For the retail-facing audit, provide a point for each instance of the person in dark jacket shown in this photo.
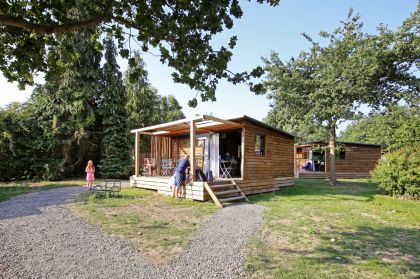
(182, 167)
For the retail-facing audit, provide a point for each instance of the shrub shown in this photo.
(398, 173)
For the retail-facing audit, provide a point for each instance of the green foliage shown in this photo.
(170, 109)
(399, 172)
(15, 142)
(395, 127)
(328, 83)
(115, 161)
(143, 102)
(64, 109)
(182, 31)
(303, 131)
(80, 113)
(145, 107)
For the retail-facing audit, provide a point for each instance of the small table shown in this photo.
(113, 187)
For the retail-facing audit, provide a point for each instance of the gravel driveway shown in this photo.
(39, 238)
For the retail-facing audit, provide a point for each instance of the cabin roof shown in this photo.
(203, 124)
(340, 142)
(261, 124)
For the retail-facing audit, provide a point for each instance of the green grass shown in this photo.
(351, 230)
(12, 189)
(159, 226)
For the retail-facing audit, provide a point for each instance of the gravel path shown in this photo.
(39, 238)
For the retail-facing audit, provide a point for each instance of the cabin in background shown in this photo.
(246, 156)
(353, 160)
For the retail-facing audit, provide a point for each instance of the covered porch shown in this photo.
(213, 144)
(310, 159)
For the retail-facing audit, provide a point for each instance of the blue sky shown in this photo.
(261, 29)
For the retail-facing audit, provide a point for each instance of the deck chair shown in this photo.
(149, 164)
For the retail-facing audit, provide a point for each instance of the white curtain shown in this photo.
(311, 158)
(214, 154)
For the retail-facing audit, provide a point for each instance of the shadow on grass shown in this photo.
(320, 190)
(392, 247)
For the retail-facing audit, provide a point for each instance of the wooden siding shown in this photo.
(325, 175)
(278, 158)
(358, 159)
(253, 186)
(268, 172)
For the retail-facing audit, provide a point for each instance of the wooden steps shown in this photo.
(228, 192)
(224, 191)
(231, 199)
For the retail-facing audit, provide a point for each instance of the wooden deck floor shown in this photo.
(160, 184)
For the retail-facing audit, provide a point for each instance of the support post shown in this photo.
(137, 156)
(243, 153)
(192, 151)
(295, 167)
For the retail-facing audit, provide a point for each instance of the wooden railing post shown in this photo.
(137, 156)
(243, 139)
(295, 166)
(192, 150)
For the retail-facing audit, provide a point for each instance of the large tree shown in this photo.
(114, 156)
(65, 107)
(328, 83)
(15, 142)
(171, 110)
(143, 102)
(182, 31)
(145, 107)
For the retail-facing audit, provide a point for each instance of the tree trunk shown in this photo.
(331, 147)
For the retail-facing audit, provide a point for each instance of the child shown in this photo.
(90, 177)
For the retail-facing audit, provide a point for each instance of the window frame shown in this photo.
(262, 147)
(341, 155)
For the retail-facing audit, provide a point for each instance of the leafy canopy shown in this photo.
(181, 31)
(395, 127)
(66, 107)
(327, 84)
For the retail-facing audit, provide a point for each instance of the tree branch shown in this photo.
(53, 29)
(130, 24)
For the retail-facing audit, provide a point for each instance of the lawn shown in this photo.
(351, 230)
(12, 189)
(158, 226)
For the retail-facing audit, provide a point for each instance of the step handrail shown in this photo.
(212, 195)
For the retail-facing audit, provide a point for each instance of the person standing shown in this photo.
(90, 176)
(181, 168)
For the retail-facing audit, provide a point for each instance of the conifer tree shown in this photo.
(65, 108)
(115, 151)
(142, 99)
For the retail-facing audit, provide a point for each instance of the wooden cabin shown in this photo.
(353, 160)
(245, 156)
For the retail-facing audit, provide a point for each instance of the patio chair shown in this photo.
(149, 164)
(167, 167)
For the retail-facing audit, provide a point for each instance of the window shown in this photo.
(341, 155)
(260, 144)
